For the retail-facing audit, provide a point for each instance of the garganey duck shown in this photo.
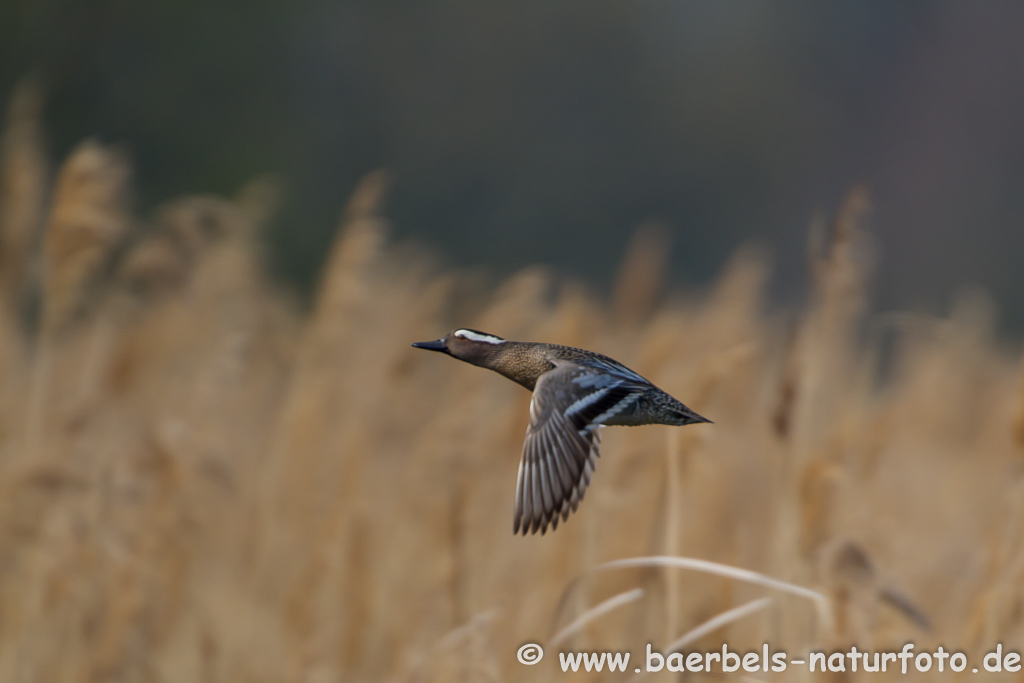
(575, 393)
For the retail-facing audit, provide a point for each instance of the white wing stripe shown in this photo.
(589, 399)
(519, 490)
(614, 410)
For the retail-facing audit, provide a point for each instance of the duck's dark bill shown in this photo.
(438, 345)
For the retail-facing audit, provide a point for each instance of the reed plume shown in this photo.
(88, 219)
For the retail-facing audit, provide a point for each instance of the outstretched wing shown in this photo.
(570, 404)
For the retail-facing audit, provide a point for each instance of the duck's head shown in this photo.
(472, 346)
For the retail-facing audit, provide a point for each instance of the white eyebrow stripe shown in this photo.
(477, 337)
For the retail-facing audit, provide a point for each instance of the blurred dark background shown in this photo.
(531, 131)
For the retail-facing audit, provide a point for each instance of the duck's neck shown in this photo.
(521, 362)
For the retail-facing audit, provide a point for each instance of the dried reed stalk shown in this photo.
(23, 186)
(89, 217)
(710, 626)
(1018, 423)
(640, 279)
(820, 601)
(673, 530)
(594, 613)
(343, 290)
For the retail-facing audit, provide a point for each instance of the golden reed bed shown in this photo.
(201, 482)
